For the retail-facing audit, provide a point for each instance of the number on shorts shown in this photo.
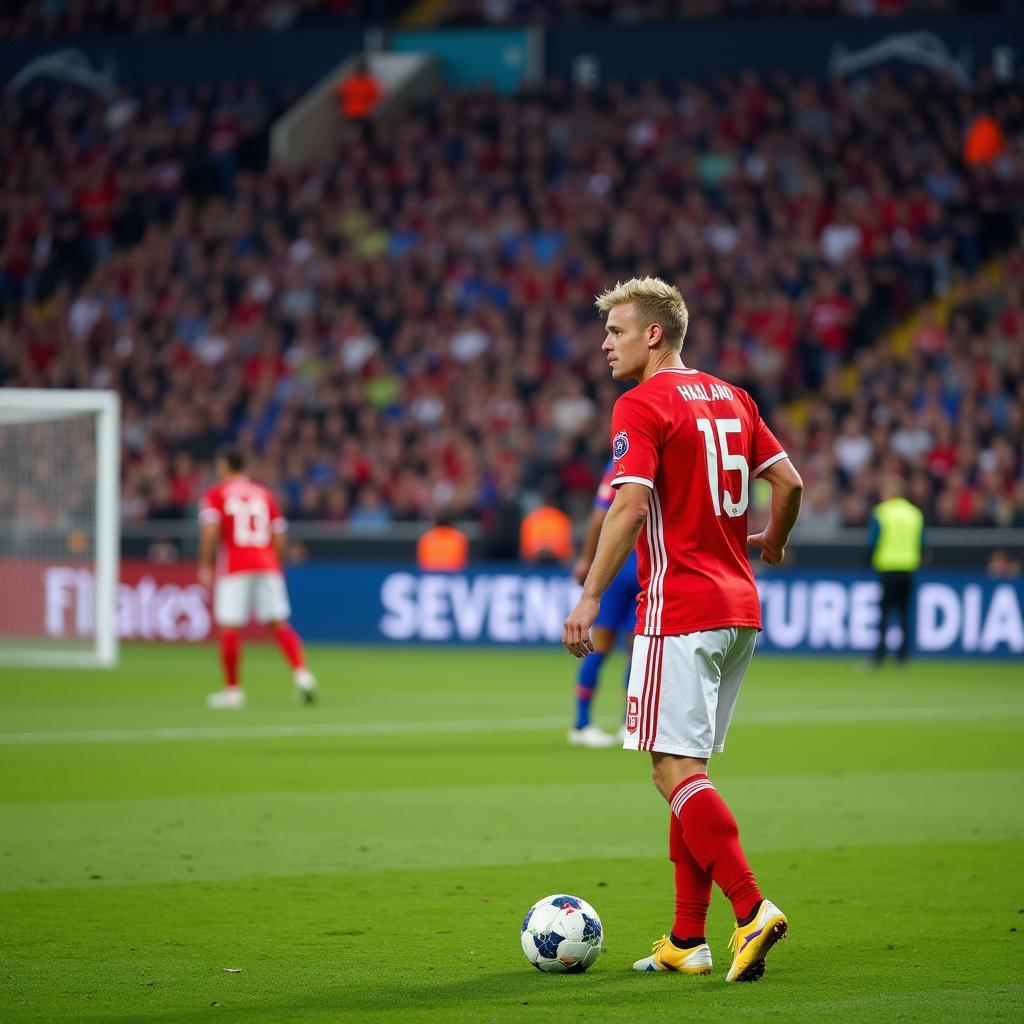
(251, 519)
(719, 454)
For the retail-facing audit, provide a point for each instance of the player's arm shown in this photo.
(209, 533)
(618, 535)
(787, 490)
(279, 542)
(278, 528)
(586, 559)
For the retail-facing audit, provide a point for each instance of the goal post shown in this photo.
(60, 454)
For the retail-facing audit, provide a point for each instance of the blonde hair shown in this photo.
(655, 302)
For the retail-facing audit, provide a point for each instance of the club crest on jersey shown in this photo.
(620, 444)
(633, 715)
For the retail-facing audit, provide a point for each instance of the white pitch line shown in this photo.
(838, 716)
(259, 732)
(795, 716)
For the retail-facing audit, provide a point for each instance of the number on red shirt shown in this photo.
(251, 519)
(719, 454)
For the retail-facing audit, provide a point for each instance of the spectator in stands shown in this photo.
(984, 141)
(358, 94)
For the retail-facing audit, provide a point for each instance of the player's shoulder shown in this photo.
(213, 493)
(243, 485)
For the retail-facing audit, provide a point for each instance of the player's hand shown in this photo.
(771, 552)
(576, 631)
(580, 570)
(206, 577)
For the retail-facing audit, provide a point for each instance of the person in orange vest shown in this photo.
(443, 548)
(545, 535)
(983, 142)
(358, 94)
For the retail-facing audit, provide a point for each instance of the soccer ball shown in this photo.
(562, 935)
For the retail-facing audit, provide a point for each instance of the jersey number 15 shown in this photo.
(719, 455)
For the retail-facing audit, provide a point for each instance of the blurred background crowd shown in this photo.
(41, 18)
(407, 331)
(505, 12)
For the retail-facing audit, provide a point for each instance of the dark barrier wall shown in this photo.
(296, 58)
(819, 613)
(595, 54)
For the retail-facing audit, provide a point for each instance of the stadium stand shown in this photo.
(408, 331)
(634, 12)
(52, 18)
(49, 18)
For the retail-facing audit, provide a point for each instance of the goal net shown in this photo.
(59, 531)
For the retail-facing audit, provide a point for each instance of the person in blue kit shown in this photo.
(617, 615)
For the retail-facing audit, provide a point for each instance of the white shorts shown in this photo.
(261, 595)
(683, 689)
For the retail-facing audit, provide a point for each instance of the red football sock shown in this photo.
(230, 653)
(289, 642)
(693, 887)
(711, 833)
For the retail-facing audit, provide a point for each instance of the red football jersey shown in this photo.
(696, 442)
(249, 517)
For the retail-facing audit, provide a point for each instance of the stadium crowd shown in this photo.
(46, 18)
(408, 330)
(634, 12)
(43, 18)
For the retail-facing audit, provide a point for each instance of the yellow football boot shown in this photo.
(750, 942)
(668, 957)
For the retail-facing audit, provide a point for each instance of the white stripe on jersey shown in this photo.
(620, 480)
(664, 560)
(659, 565)
(769, 462)
(652, 552)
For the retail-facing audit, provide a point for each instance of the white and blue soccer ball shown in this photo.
(562, 934)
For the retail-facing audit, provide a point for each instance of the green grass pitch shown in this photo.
(371, 858)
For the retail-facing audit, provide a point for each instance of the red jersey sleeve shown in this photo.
(211, 506)
(766, 450)
(635, 448)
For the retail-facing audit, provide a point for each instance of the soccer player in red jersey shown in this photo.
(686, 446)
(240, 520)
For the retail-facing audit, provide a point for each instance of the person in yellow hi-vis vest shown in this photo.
(896, 537)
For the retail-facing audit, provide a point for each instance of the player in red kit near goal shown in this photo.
(243, 529)
(686, 447)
